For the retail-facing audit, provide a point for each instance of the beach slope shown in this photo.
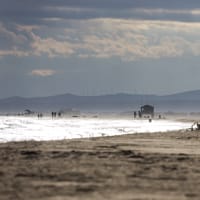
(140, 166)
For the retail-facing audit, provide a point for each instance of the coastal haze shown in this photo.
(181, 102)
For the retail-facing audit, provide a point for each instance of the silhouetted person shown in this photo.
(135, 114)
(53, 114)
(40, 115)
(139, 114)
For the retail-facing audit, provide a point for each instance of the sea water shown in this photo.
(16, 128)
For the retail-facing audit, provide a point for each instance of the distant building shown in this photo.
(69, 111)
(147, 111)
(28, 112)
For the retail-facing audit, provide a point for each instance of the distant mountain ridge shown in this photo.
(186, 101)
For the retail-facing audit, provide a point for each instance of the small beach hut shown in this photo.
(147, 111)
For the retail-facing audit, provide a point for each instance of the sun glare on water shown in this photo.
(30, 128)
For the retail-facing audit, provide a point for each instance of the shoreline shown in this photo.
(138, 166)
(47, 129)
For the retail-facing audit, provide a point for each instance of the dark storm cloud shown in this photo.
(31, 11)
(126, 4)
(111, 4)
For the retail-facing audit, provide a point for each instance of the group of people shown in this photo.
(139, 114)
(53, 115)
(40, 115)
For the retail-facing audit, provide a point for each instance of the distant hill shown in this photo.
(181, 102)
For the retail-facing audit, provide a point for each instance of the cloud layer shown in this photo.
(120, 45)
(43, 72)
(130, 30)
(29, 12)
(104, 38)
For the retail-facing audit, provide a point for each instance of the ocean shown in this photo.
(17, 128)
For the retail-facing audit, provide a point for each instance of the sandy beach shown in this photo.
(140, 166)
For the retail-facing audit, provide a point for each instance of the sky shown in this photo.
(94, 47)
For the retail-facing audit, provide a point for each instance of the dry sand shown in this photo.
(158, 166)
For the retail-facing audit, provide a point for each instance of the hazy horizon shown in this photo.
(103, 94)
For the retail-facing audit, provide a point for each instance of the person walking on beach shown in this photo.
(53, 114)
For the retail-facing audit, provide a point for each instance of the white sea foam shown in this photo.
(30, 128)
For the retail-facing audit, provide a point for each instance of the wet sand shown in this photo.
(158, 166)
